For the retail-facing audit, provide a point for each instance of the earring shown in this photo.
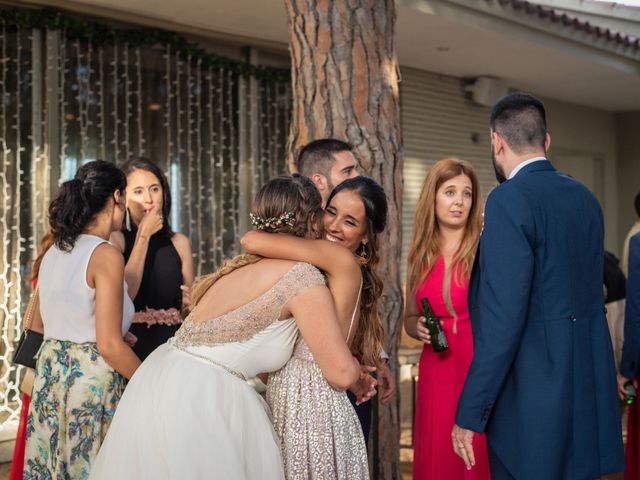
(127, 219)
(362, 255)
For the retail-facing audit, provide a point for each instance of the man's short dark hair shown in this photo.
(521, 121)
(636, 203)
(317, 156)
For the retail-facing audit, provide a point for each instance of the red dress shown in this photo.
(17, 463)
(441, 377)
(632, 469)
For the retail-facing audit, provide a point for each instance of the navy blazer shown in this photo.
(630, 363)
(542, 381)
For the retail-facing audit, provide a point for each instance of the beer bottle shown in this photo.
(630, 394)
(438, 337)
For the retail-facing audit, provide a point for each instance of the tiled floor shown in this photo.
(406, 454)
(4, 471)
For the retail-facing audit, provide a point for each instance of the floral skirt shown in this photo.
(75, 395)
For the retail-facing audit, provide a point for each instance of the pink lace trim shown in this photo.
(150, 316)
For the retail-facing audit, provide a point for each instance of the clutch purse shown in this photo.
(30, 341)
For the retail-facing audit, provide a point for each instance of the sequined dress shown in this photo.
(320, 434)
(188, 411)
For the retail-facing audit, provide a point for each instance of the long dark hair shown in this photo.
(79, 200)
(369, 336)
(142, 163)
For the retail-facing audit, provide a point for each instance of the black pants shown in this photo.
(364, 414)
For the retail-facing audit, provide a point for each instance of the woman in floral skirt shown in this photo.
(83, 313)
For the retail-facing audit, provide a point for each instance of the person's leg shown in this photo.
(364, 415)
(498, 470)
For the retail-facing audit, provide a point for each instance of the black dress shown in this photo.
(159, 290)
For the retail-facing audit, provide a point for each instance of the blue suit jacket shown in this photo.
(630, 364)
(542, 380)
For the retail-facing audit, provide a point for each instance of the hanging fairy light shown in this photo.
(196, 128)
(140, 98)
(167, 110)
(94, 105)
(212, 144)
(127, 103)
(233, 163)
(220, 165)
(102, 106)
(115, 100)
(62, 99)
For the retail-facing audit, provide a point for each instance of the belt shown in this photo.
(151, 316)
(235, 373)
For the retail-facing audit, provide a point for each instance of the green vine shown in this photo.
(103, 35)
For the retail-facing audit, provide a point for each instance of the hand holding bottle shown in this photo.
(423, 331)
(434, 325)
(627, 389)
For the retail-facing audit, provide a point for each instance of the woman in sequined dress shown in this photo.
(159, 264)
(321, 437)
(445, 238)
(188, 412)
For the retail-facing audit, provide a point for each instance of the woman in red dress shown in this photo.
(447, 229)
(632, 456)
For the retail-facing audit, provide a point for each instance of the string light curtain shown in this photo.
(216, 126)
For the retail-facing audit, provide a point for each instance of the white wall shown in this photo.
(438, 121)
(586, 133)
(628, 130)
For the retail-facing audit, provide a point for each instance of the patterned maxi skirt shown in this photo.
(74, 398)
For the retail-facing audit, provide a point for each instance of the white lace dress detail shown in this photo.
(242, 323)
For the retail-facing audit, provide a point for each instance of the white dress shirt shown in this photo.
(524, 164)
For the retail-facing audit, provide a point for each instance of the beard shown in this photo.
(496, 168)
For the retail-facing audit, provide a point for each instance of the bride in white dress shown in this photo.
(188, 411)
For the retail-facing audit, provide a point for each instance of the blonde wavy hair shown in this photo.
(425, 245)
(285, 194)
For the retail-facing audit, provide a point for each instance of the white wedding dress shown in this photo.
(188, 412)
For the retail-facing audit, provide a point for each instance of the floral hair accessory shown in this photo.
(285, 219)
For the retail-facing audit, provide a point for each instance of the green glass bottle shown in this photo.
(438, 337)
(630, 394)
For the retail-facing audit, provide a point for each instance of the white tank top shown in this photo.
(67, 302)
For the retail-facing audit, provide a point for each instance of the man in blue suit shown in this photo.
(630, 364)
(542, 383)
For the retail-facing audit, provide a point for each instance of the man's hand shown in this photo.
(386, 382)
(621, 382)
(463, 445)
(186, 295)
(365, 388)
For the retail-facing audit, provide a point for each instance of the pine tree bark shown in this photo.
(345, 86)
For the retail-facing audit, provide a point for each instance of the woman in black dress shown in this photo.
(159, 264)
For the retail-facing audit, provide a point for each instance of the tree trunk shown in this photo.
(345, 86)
